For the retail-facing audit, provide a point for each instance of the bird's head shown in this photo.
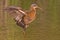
(35, 6)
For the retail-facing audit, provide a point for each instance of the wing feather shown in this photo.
(16, 12)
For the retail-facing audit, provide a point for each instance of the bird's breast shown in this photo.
(30, 17)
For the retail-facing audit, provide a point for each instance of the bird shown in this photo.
(23, 17)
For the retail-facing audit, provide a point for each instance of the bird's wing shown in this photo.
(15, 11)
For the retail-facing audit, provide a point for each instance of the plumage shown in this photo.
(23, 18)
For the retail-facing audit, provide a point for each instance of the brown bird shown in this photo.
(23, 18)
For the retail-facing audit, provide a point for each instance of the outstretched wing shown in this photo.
(13, 10)
(16, 12)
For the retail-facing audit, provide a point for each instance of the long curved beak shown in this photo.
(40, 8)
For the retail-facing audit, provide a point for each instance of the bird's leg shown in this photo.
(26, 26)
(24, 31)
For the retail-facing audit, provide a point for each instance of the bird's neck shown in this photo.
(33, 10)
